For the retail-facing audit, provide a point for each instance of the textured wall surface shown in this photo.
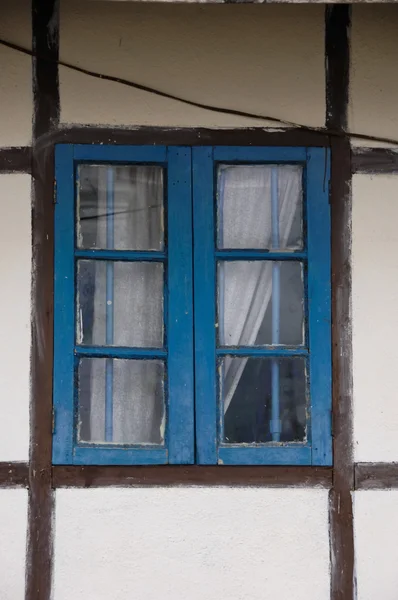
(374, 85)
(15, 266)
(376, 533)
(230, 544)
(375, 316)
(263, 59)
(16, 75)
(13, 521)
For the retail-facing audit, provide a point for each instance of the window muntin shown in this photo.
(260, 305)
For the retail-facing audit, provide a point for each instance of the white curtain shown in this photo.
(244, 292)
(138, 411)
(244, 217)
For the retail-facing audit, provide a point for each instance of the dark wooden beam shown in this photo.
(254, 136)
(337, 60)
(341, 515)
(376, 476)
(46, 111)
(337, 54)
(16, 160)
(15, 474)
(92, 476)
(374, 160)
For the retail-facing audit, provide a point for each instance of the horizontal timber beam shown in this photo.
(125, 476)
(16, 160)
(15, 474)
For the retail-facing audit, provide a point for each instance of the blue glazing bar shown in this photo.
(129, 255)
(260, 154)
(221, 291)
(120, 153)
(110, 242)
(281, 454)
(127, 455)
(120, 352)
(221, 273)
(265, 352)
(259, 255)
(275, 423)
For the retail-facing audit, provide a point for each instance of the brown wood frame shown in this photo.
(337, 52)
(374, 160)
(16, 159)
(376, 476)
(129, 476)
(14, 474)
(183, 136)
(46, 114)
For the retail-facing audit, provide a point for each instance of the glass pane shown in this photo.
(261, 396)
(121, 401)
(119, 303)
(260, 303)
(120, 207)
(260, 206)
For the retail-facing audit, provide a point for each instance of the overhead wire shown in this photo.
(278, 122)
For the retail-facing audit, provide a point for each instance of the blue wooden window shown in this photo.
(192, 306)
(271, 364)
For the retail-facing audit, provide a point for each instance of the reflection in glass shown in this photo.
(247, 399)
(246, 195)
(136, 406)
(245, 303)
(130, 196)
(137, 292)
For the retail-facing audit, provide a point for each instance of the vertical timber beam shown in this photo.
(337, 53)
(45, 118)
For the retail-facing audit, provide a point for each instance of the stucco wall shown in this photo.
(13, 522)
(15, 266)
(263, 59)
(16, 75)
(230, 544)
(375, 318)
(373, 81)
(376, 533)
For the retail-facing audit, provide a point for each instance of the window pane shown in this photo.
(121, 401)
(120, 303)
(120, 207)
(250, 403)
(260, 206)
(260, 303)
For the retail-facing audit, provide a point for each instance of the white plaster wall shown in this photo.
(196, 543)
(376, 534)
(15, 266)
(13, 527)
(16, 74)
(375, 316)
(260, 58)
(373, 77)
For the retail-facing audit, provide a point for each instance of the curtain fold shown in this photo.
(246, 292)
(244, 295)
(138, 410)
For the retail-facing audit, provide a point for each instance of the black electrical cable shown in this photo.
(217, 109)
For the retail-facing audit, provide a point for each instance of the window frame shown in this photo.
(318, 449)
(178, 446)
(192, 393)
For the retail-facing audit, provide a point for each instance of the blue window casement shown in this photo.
(192, 306)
